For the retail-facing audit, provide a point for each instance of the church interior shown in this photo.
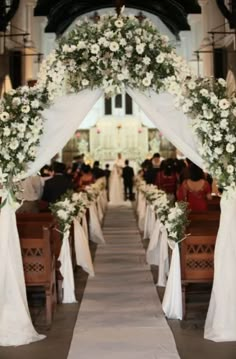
(114, 316)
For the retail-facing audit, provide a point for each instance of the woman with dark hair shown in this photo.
(166, 178)
(86, 177)
(195, 190)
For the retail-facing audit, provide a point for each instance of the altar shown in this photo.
(125, 135)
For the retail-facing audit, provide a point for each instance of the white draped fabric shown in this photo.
(172, 301)
(66, 270)
(95, 231)
(221, 318)
(85, 226)
(82, 252)
(141, 211)
(153, 250)
(61, 121)
(149, 222)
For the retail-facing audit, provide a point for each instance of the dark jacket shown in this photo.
(128, 174)
(55, 187)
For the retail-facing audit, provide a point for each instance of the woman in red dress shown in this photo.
(166, 178)
(195, 190)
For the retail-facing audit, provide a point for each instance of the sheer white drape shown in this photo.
(61, 121)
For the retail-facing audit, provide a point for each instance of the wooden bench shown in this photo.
(197, 251)
(32, 224)
(39, 266)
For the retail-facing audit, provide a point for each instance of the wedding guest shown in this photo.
(86, 177)
(56, 186)
(107, 172)
(31, 192)
(128, 177)
(195, 190)
(97, 171)
(166, 178)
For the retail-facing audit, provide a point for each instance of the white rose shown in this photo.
(204, 92)
(191, 85)
(208, 114)
(84, 67)
(218, 150)
(6, 131)
(140, 48)
(234, 111)
(160, 59)
(85, 82)
(62, 214)
(123, 42)
(35, 104)
(230, 148)
(16, 101)
(13, 145)
(222, 82)
(4, 116)
(65, 48)
(81, 45)
(146, 60)
(95, 49)
(230, 169)
(224, 104)
(224, 124)
(114, 46)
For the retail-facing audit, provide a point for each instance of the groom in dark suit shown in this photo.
(128, 176)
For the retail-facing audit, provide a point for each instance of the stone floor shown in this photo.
(188, 333)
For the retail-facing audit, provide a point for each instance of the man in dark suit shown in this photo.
(56, 186)
(97, 171)
(128, 176)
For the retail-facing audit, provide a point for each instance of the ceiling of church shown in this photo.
(61, 13)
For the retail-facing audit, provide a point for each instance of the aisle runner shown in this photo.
(120, 316)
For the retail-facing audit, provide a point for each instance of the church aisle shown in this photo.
(121, 315)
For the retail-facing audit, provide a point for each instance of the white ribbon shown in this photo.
(82, 252)
(149, 222)
(99, 209)
(164, 258)
(85, 226)
(141, 212)
(172, 301)
(153, 251)
(95, 231)
(66, 270)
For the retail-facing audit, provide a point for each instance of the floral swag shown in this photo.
(113, 53)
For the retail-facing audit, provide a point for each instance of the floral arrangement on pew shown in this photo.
(70, 206)
(176, 221)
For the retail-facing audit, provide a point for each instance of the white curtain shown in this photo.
(174, 125)
(61, 121)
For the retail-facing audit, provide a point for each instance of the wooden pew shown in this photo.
(32, 224)
(39, 266)
(197, 251)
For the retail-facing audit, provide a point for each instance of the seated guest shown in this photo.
(195, 190)
(166, 178)
(86, 177)
(32, 189)
(97, 171)
(56, 186)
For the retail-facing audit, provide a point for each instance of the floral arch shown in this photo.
(113, 54)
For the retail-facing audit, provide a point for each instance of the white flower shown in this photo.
(4, 116)
(146, 81)
(160, 59)
(6, 131)
(140, 48)
(224, 124)
(217, 137)
(119, 23)
(204, 92)
(234, 111)
(114, 46)
(25, 109)
(95, 49)
(65, 48)
(35, 104)
(224, 113)
(14, 144)
(20, 157)
(230, 148)
(62, 214)
(146, 60)
(123, 42)
(222, 82)
(84, 67)
(230, 169)
(81, 45)
(16, 101)
(191, 85)
(224, 104)
(208, 114)
(218, 150)
(85, 82)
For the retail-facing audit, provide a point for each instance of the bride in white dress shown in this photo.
(116, 186)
